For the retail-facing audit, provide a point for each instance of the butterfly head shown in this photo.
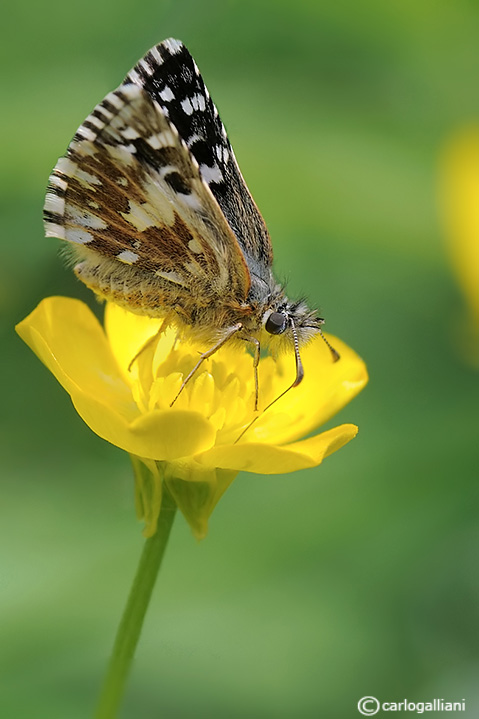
(294, 324)
(290, 321)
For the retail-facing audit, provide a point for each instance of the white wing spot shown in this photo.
(162, 139)
(211, 174)
(195, 246)
(58, 182)
(154, 142)
(170, 276)
(114, 100)
(174, 46)
(129, 133)
(83, 218)
(187, 106)
(198, 101)
(106, 112)
(192, 201)
(134, 77)
(80, 237)
(86, 133)
(127, 256)
(146, 67)
(87, 149)
(54, 230)
(167, 94)
(96, 121)
(86, 178)
(54, 204)
(155, 52)
(122, 181)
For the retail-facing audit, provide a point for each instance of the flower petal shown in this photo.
(171, 434)
(271, 459)
(460, 206)
(66, 336)
(460, 202)
(69, 340)
(160, 434)
(127, 333)
(326, 388)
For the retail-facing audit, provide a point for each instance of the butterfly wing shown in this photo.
(171, 77)
(129, 191)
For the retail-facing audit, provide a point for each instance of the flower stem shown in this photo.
(131, 623)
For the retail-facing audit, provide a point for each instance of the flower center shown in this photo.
(222, 389)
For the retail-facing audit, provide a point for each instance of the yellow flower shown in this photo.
(460, 204)
(193, 445)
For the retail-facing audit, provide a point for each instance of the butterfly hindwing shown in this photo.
(129, 189)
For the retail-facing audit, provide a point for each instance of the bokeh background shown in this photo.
(311, 590)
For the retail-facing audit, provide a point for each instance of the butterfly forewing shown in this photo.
(151, 199)
(129, 189)
(170, 75)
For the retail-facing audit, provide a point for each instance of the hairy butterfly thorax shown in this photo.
(151, 201)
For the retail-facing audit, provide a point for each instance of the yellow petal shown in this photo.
(171, 434)
(326, 388)
(460, 198)
(66, 336)
(270, 459)
(69, 340)
(160, 434)
(460, 205)
(127, 333)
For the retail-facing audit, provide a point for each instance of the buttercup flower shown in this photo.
(122, 386)
(460, 204)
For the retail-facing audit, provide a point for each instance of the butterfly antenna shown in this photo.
(334, 352)
(298, 379)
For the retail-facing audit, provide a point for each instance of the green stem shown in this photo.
(132, 621)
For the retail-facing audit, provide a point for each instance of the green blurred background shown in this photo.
(314, 589)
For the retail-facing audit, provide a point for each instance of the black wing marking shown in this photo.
(171, 77)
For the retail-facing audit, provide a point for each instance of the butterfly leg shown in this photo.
(231, 332)
(257, 354)
(298, 379)
(151, 340)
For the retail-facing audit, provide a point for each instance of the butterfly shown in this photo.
(152, 203)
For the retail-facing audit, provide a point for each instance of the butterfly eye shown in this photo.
(276, 323)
